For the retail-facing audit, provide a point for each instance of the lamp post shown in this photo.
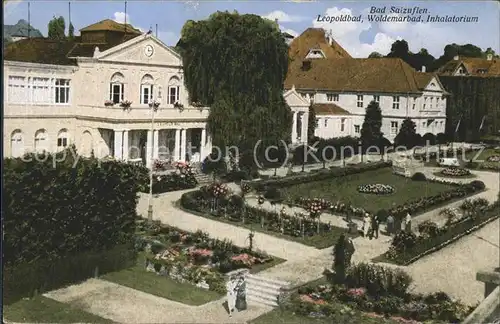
(154, 107)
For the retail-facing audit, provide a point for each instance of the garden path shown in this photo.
(126, 305)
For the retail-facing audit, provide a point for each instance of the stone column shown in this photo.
(149, 148)
(126, 152)
(303, 131)
(202, 144)
(177, 145)
(118, 144)
(155, 144)
(183, 144)
(294, 127)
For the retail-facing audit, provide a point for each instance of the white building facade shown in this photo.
(49, 107)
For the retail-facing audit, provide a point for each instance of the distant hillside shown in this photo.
(20, 30)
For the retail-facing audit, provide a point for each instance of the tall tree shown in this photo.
(71, 31)
(370, 130)
(407, 135)
(56, 28)
(312, 124)
(400, 49)
(236, 64)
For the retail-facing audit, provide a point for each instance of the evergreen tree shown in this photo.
(370, 130)
(407, 135)
(71, 31)
(56, 28)
(312, 124)
(236, 65)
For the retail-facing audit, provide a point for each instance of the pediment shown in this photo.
(294, 99)
(434, 85)
(135, 51)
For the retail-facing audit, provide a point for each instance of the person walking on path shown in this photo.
(390, 224)
(366, 225)
(374, 227)
(231, 295)
(408, 223)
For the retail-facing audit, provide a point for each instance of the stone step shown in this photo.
(271, 291)
(259, 300)
(274, 282)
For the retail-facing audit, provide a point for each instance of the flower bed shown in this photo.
(216, 202)
(455, 172)
(194, 257)
(407, 248)
(181, 178)
(493, 158)
(377, 189)
(379, 291)
(413, 207)
(323, 174)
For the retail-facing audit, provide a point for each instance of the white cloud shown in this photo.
(289, 31)
(119, 17)
(282, 16)
(393, 27)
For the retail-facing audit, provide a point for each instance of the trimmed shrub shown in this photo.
(479, 185)
(419, 176)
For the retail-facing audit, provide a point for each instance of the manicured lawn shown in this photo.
(481, 157)
(345, 189)
(41, 309)
(319, 241)
(138, 278)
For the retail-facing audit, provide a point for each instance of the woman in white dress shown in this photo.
(366, 224)
(231, 294)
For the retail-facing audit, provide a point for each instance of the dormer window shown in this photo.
(315, 53)
(482, 71)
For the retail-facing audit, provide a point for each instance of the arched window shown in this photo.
(116, 87)
(16, 143)
(146, 89)
(41, 140)
(173, 90)
(62, 139)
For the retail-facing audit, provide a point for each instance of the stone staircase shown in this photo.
(201, 178)
(262, 290)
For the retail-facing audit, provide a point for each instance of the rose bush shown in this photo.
(493, 158)
(377, 189)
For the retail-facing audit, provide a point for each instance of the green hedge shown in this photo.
(335, 172)
(61, 205)
(40, 276)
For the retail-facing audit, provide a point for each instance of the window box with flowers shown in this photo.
(154, 104)
(179, 106)
(109, 103)
(126, 104)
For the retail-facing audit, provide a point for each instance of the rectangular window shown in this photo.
(173, 94)
(146, 93)
(329, 97)
(357, 129)
(332, 97)
(62, 91)
(17, 89)
(62, 142)
(394, 128)
(116, 91)
(376, 98)
(360, 101)
(41, 93)
(395, 102)
(342, 124)
(326, 122)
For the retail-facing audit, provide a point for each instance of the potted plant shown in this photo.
(154, 104)
(179, 106)
(125, 104)
(109, 103)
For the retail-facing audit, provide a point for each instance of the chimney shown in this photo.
(456, 57)
(489, 56)
(423, 68)
(276, 21)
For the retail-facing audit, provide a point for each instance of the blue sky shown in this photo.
(358, 38)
